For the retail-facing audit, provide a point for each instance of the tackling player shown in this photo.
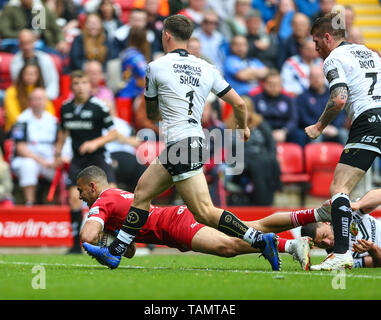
(177, 86)
(365, 232)
(353, 72)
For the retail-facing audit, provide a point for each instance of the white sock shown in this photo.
(249, 235)
(288, 246)
(125, 237)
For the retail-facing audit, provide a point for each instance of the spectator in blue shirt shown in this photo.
(283, 19)
(134, 62)
(242, 73)
(277, 109)
(268, 8)
(308, 7)
(310, 104)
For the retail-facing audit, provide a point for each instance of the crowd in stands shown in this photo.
(262, 47)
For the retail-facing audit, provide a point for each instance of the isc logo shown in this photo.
(370, 139)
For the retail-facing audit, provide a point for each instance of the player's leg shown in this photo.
(154, 181)
(345, 179)
(351, 168)
(195, 193)
(211, 241)
(282, 221)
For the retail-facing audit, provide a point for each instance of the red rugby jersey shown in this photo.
(164, 225)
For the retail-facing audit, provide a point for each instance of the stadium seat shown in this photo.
(321, 159)
(124, 108)
(291, 161)
(227, 110)
(5, 72)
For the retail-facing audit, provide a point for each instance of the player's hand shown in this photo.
(356, 205)
(244, 134)
(313, 131)
(88, 147)
(362, 246)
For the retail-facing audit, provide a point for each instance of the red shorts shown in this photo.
(174, 227)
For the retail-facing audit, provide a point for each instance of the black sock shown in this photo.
(231, 225)
(76, 222)
(135, 220)
(341, 219)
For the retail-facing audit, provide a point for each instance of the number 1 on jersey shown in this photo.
(190, 95)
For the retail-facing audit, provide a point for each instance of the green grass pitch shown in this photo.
(178, 277)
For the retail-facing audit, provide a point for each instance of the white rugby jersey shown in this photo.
(182, 82)
(39, 133)
(359, 68)
(364, 226)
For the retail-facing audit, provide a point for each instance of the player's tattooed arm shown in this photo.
(152, 109)
(335, 105)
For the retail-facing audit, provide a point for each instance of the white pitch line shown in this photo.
(277, 274)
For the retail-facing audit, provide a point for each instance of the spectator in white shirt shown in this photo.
(34, 135)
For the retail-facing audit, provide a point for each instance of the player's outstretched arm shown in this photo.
(276, 222)
(239, 109)
(335, 105)
(91, 232)
(282, 221)
(370, 201)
